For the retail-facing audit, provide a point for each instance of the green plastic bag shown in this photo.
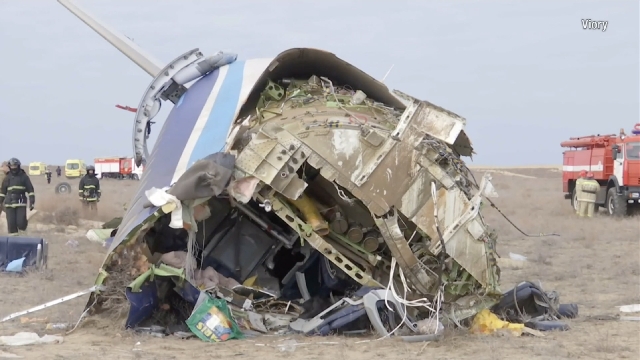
(212, 321)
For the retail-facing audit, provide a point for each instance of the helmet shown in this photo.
(583, 173)
(590, 175)
(13, 162)
(91, 167)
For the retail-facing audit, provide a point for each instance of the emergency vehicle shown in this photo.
(118, 168)
(614, 161)
(74, 168)
(37, 168)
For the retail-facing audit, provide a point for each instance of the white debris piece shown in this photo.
(29, 338)
(630, 308)
(160, 197)
(517, 257)
(429, 326)
(98, 235)
(489, 190)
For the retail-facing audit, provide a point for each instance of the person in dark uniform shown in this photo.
(16, 188)
(48, 175)
(89, 189)
(58, 171)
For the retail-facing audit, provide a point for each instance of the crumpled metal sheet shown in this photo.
(207, 177)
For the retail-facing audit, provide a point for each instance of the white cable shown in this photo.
(423, 302)
(333, 92)
(342, 195)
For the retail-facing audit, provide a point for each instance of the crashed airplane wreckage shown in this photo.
(298, 185)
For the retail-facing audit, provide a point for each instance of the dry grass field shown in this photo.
(595, 263)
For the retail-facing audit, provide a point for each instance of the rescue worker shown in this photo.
(579, 182)
(89, 189)
(58, 171)
(588, 195)
(48, 175)
(16, 188)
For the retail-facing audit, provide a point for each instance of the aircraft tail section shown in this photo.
(147, 62)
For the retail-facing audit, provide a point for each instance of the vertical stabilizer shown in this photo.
(148, 63)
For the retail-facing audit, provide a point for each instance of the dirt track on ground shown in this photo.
(595, 263)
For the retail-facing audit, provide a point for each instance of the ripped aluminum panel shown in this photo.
(464, 232)
(389, 176)
(273, 156)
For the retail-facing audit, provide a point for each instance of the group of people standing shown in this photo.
(48, 174)
(17, 193)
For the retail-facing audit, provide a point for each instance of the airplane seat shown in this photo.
(220, 209)
(240, 249)
(34, 250)
(302, 280)
(315, 276)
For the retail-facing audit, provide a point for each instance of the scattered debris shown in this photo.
(50, 303)
(18, 253)
(630, 308)
(57, 326)
(630, 318)
(15, 265)
(528, 304)
(486, 322)
(26, 320)
(212, 321)
(99, 235)
(113, 223)
(517, 257)
(29, 338)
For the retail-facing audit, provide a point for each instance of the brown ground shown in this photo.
(595, 263)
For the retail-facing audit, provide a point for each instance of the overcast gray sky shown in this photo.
(524, 74)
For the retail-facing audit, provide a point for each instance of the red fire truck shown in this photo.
(614, 161)
(118, 168)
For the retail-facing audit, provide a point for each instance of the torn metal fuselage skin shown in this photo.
(343, 161)
(385, 159)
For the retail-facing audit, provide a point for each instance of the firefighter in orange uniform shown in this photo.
(589, 187)
(579, 182)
